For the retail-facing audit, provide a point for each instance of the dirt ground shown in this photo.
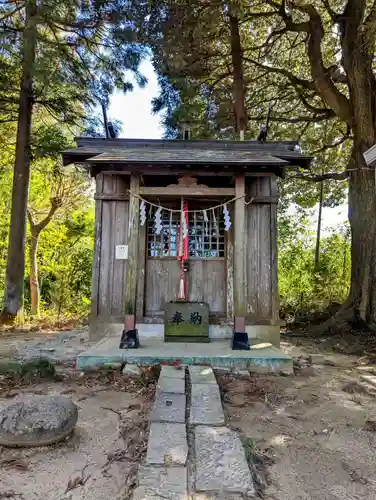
(311, 436)
(98, 462)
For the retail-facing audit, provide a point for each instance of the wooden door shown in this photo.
(206, 277)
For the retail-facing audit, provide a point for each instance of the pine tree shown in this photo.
(55, 53)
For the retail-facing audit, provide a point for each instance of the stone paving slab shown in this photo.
(171, 385)
(206, 405)
(220, 462)
(201, 375)
(219, 496)
(172, 372)
(167, 444)
(161, 483)
(169, 408)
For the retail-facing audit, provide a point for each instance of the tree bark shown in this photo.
(360, 307)
(36, 230)
(34, 276)
(241, 115)
(13, 297)
(319, 221)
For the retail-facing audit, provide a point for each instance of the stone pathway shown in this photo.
(191, 454)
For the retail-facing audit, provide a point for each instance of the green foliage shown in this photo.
(66, 244)
(301, 286)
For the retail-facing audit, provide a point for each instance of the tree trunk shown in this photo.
(34, 277)
(241, 116)
(360, 307)
(319, 221)
(13, 298)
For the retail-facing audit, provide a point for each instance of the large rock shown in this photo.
(37, 422)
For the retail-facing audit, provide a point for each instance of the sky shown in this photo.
(134, 111)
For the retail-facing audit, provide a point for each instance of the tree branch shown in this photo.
(337, 176)
(288, 74)
(333, 145)
(331, 12)
(322, 81)
(56, 203)
(298, 119)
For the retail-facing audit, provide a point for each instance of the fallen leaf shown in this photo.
(14, 462)
(370, 426)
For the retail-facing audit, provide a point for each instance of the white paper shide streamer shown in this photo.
(206, 222)
(142, 213)
(158, 221)
(226, 215)
(215, 225)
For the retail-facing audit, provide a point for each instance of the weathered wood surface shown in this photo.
(141, 272)
(162, 283)
(97, 248)
(206, 282)
(133, 228)
(261, 255)
(240, 250)
(230, 269)
(111, 196)
(274, 253)
(111, 230)
(176, 191)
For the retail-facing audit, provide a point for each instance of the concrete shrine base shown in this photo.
(217, 354)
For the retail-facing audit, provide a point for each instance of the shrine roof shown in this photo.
(100, 151)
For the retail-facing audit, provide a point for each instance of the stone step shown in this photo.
(221, 465)
(157, 483)
(206, 405)
(169, 408)
(171, 385)
(201, 375)
(167, 444)
(172, 372)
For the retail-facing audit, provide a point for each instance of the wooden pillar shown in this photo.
(97, 247)
(230, 270)
(240, 268)
(130, 296)
(274, 252)
(141, 264)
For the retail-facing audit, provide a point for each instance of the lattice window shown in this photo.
(206, 240)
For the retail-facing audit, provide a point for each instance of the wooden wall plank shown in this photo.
(141, 265)
(195, 281)
(162, 283)
(97, 248)
(230, 270)
(252, 255)
(261, 266)
(214, 281)
(240, 250)
(274, 252)
(206, 283)
(133, 227)
(120, 237)
(264, 305)
(104, 302)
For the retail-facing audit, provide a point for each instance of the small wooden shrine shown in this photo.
(186, 222)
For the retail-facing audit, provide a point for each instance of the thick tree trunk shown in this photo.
(360, 307)
(241, 116)
(13, 298)
(34, 277)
